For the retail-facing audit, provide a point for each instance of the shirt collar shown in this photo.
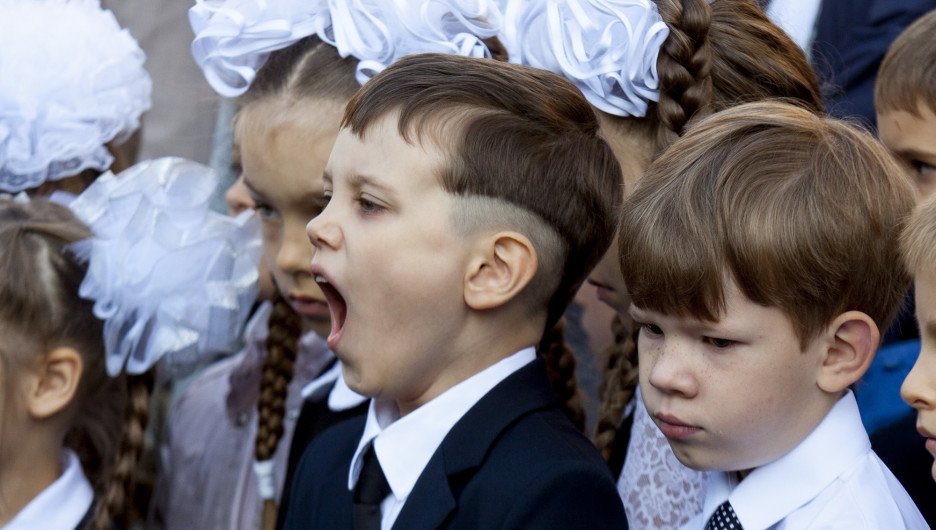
(63, 504)
(405, 445)
(797, 477)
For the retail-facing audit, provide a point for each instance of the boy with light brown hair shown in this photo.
(759, 251)
(905, 102)
(919, 388)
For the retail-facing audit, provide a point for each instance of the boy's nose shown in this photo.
(322, 231)
(670, 374)
(919, 388)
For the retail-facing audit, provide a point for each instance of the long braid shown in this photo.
(684, 66)
(560, 366)
(285, 328)
(118, 486)
(618, 385)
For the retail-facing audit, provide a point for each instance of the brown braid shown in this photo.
(285, 328)
(618, 385)
(560, 366)
(118, 487)
(684, 66)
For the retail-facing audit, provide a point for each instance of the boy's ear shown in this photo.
(854, 341)
(54, 385)
(503, 266)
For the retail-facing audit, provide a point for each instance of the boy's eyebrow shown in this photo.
(326, 176)
(356, 180)
(911, 152)
(930, 328)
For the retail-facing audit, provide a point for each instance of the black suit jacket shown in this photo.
(851, 39)
(513, 461)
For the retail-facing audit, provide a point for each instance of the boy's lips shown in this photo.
(336, 305)
(930, 440)
(674, 428)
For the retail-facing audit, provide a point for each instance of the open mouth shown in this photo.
(337, 307)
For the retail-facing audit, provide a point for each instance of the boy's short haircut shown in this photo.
(918, 240)
(801, 212)
(907, 76)
(515, 137)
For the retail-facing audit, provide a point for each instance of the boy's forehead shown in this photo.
(380, 154)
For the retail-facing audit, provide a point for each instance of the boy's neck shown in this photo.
(483, 341)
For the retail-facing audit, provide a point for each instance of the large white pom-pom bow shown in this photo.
(608, 48)
(233, 38)
(171, 278)
(71, 80)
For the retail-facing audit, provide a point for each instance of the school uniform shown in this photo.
(493, 451)
(832, 479)
(62, 505)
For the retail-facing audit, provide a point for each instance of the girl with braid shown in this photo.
(93, 296)
(240, 428)
(652, 69)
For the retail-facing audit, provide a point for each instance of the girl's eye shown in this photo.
(720, 343)
(650, 329)
(368, 206)
(266, 212)
(922, 168)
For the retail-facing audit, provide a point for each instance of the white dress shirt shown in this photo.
(62, 505)
(797, 18)
(832, 479)
(405, 445)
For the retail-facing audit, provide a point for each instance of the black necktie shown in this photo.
(724, 518)
(371, 489)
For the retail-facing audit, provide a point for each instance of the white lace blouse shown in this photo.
(657, 490)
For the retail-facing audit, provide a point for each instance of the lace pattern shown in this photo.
(657, 490)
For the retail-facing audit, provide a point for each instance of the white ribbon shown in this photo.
(71, 80)
(265, 485)
(608, 48)
(172, 279)
(233, 38)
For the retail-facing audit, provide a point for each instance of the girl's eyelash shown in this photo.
(368, 206)
(719, 342)
(921, 167)
(649, 328)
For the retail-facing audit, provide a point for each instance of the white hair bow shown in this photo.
(233, 38)
(172, 279)
(71, 80)
(608, 48)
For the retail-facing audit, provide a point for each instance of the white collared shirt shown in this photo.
(405, 445)
(798, 18)
(62, 504)
(832, 479)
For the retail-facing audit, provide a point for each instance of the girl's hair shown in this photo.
(309, 69)
(716, 56)
(41, 310)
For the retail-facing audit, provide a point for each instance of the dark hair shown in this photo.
(519, 135)
(801, 212)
